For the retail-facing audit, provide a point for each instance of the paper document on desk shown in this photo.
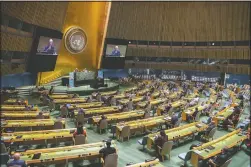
(197, 151)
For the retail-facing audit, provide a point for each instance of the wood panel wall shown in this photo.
(46, 14)
(180, 21)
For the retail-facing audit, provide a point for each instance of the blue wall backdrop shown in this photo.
(240, 79)
(17, 80)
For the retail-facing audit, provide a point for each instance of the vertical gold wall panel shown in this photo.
(180, 21)
(88, 16)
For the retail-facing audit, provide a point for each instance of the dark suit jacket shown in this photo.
(221, 159)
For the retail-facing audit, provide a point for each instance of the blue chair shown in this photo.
(186, 157)
(143, 142)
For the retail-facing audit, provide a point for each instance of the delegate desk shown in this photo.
(222, 115)
(19, 125)
(153, 163)
(38, 137)
(176, 104)
(22, 115)
(105, 93)
(15, 101)
(179, 132)
(85, 105)
(191, 110)
(67, 96)
(134, 100)
(155, 94)
(64, 154)
(141, 125)
(212, 148)
(116, 117)
(99, 111)
(71, 101)
(152, 102)
(142, 92)
(17, 108)
(117, 97)
(131, 89)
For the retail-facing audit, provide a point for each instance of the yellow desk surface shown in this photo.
(74, 100)
(14, 101)
(222, 115)
(108, 93)
(86, 105)
(142, 92)
(117, 97)
(153, 102)
(28, 123)
(131, 89)
(83, 151)
(67, 96)
(155, 94)
(191, 110)
(154, 163)
(15, 108)
(21, 111)
(120, 116)
(27, 114)
(229, 140)
(142, 124)
(135, 100)
(179, 132)
(174, 105)
(99, 111)
(36, 135)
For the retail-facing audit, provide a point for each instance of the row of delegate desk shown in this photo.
(34, 124)
(63, 154)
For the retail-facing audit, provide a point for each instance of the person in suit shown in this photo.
(191, 117)
(107, 150)
(159, 141)
(16, 161)
(116, 52)
(40, 115)
(50, 47)
(173, 121)
(220, 159)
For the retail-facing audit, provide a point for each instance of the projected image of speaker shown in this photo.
(44, 51)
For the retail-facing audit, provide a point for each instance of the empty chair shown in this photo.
(81, 118)
(103, 125)
(197, 117)
(125, 133)
(166, 149)
(143, 141)
(80, 139)
(63, 112)
(4, 154)
(58, 125)
(210, 135)
(147, 115)
(208, 121)
(186, 157)
(111, 160)
(177, 124)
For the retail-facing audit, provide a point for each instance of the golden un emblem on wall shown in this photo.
(75, 40)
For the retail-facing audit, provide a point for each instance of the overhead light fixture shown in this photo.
(129, 41)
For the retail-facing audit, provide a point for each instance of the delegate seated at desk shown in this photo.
(219, 160)
(16, 161)
(107, 150)
(80, 130)
(159, 141)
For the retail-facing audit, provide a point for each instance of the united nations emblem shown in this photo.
(75, 40)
